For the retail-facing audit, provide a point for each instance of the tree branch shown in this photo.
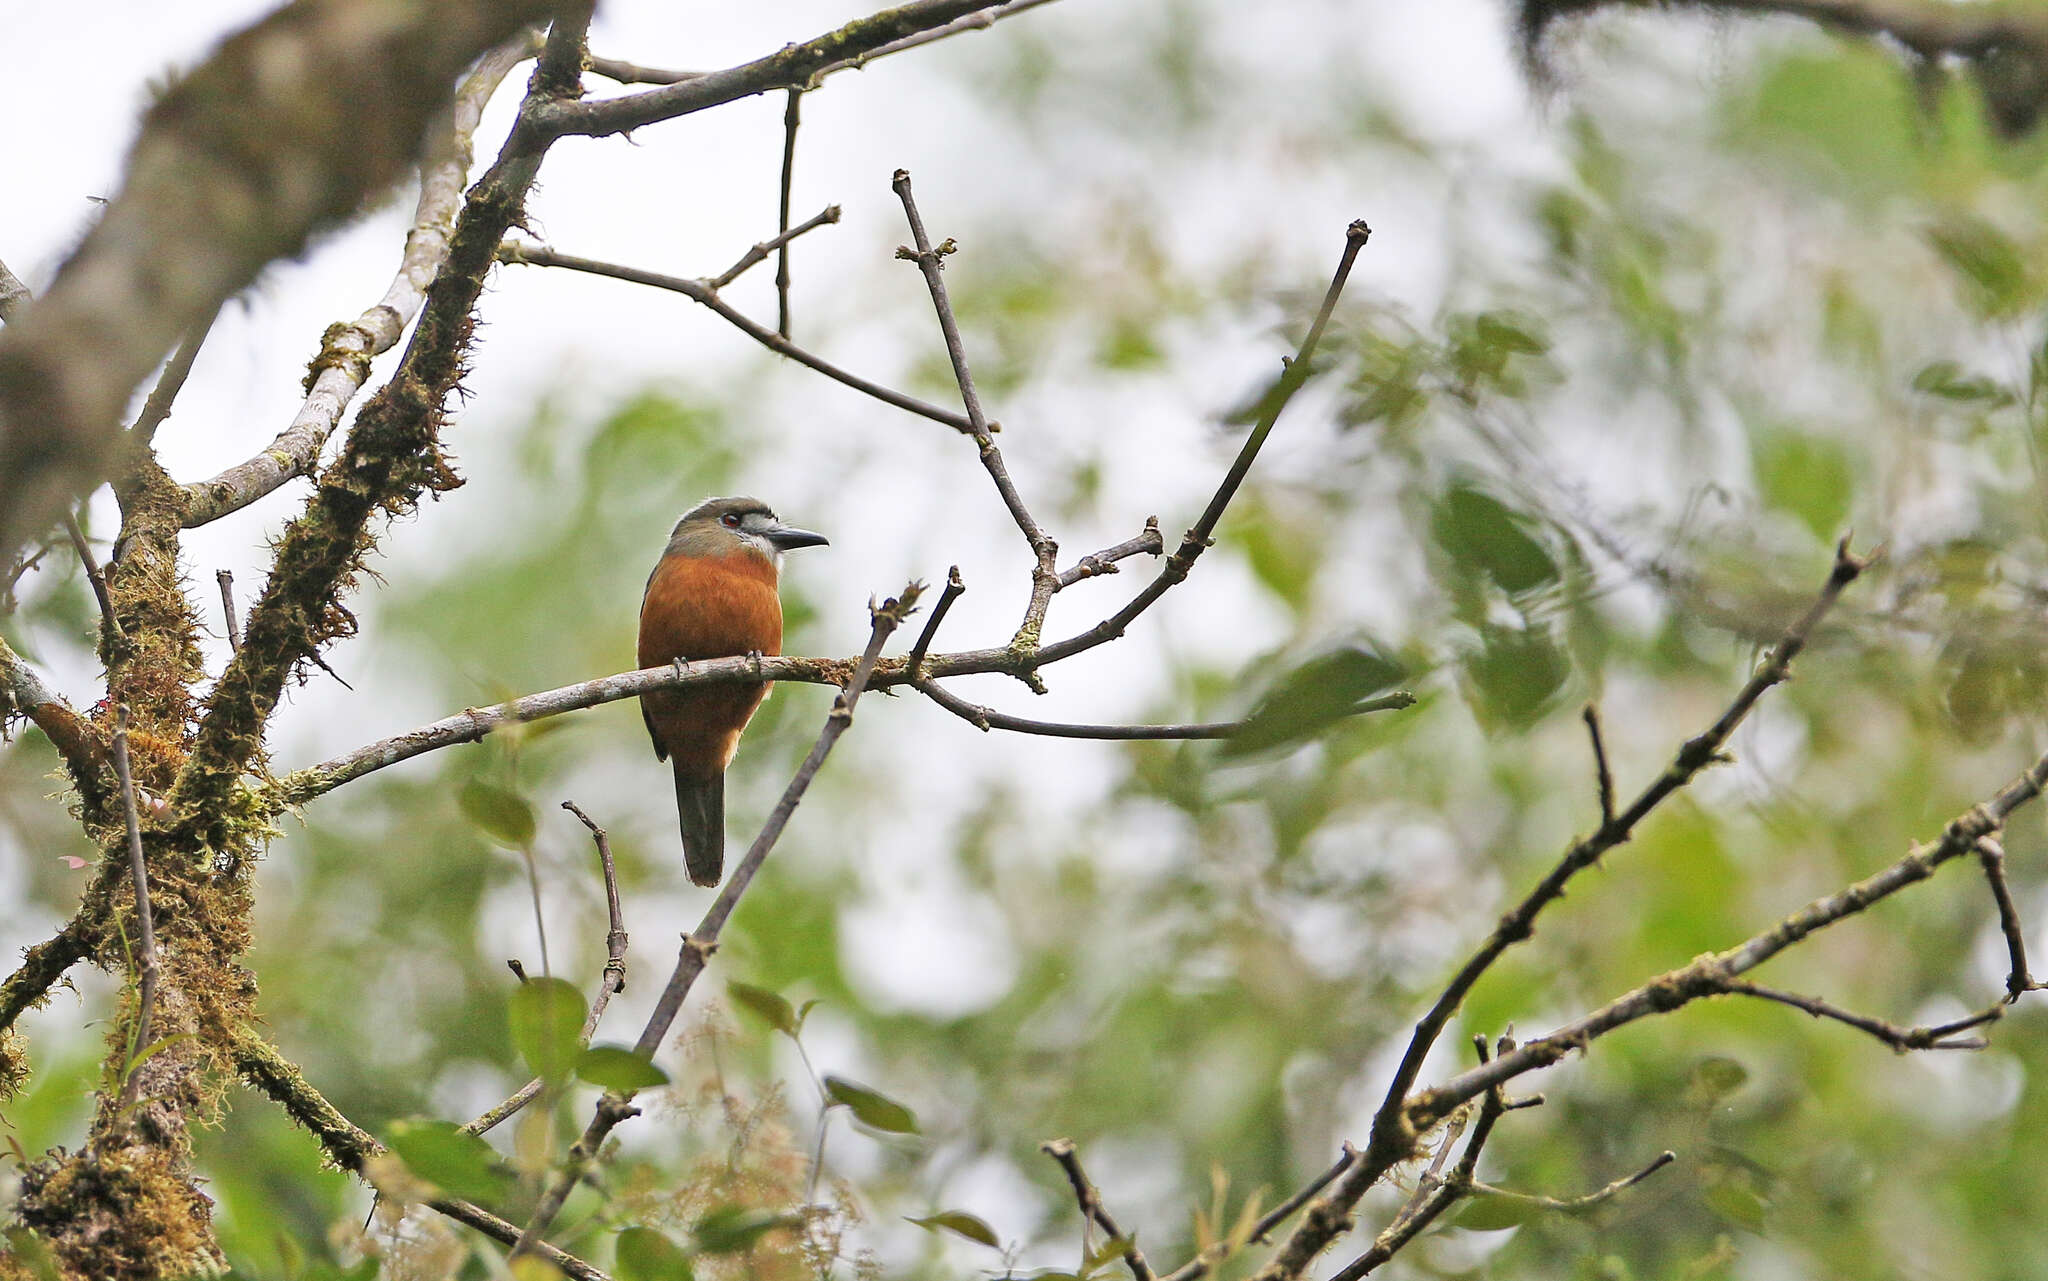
(759, 253)
(351, 1147)
(611, 984)
(42, 966)
(392, 456)
(985, 719)
(23, 693)
(1044, 551)
(1197, 539)
(145, 923)
(700, 943)
(792, 67)
(2018, 982)
(1092, 1209)
(342, 365)
(1900, 1039)
(701, 292)
(234, 168)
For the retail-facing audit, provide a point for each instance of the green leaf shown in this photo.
(1515, 674)
(1314, 696)
(1482, 536)
(1990, 264)
(502, 814)
(647, 1255)
(1716, 1077)
(771, 1008)
(1947, 379)
(1102, 1255)
(961, 1224)
(619, 1069)
(871, 1108)
(731, 1229)
(1809, 476)
(547, 1027)
(1738, 1204)
(1485, 1213)
(450, 1158)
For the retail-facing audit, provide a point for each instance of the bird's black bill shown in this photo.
(787, 538)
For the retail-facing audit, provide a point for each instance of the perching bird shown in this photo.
(711, 596)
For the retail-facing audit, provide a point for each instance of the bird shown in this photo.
(712, 595)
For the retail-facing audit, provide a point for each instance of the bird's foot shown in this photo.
(754, 657)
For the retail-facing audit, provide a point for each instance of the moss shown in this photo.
(126, 1212)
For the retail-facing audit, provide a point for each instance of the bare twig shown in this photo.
(613, 982)
(983, 718)
(1602, 775)
(792, 116)
(1901, 1039)
(955, 585)
(620, 71)
(698, 945)
(1991, 857)
(145, 988)
(1390, 1137)
(1096, 564)
(170, 382)
(1044, 551)
(759, 253)
(226, 580)
(1579, 1204)
(700, 292)
(1197, 539)
(1434, 1196)
(343, 363)
(110, 625)
(1092, 1209)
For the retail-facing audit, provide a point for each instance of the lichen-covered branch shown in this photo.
(234, 168)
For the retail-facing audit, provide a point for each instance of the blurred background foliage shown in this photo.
(1727, 294)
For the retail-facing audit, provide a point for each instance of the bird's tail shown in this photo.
(700, 804)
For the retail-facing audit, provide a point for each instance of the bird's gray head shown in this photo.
(715, 525)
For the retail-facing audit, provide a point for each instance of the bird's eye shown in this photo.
(731, 520)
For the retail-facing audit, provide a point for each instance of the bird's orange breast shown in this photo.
(707, 607)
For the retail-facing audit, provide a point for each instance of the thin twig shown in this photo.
(611, 984)
(540, 925)
(343, 363)
(170, 382)
(1045, 552)
(757, 254)
(1197, 539)
(138, 870)
(1432, 1198)
(109, 624)
(698, 945)
(1090, 1201)
(700, 292)
(1390, 1138)
(226, 579)
(1901, 1039)
(1578, 1204)
(792, 116)
(955, 585)
(1603, 776)
(985, 719)
(2018, 981)
(1096, 564)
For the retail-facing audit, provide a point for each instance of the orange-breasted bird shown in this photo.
(713, 595)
